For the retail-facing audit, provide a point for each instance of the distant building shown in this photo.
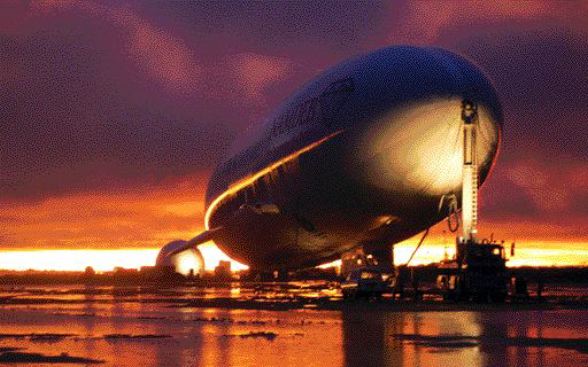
(89, 271)
(147, 269)
(223, 270)
(123, 271)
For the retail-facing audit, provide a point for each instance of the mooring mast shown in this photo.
(469, 116)
(479, 270)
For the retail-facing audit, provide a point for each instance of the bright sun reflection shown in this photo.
(100, 260)
(429, 138)
(187, 262)
(539, 253)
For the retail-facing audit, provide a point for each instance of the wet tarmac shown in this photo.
(273, 326)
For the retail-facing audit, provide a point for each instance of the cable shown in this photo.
(418, 246)
(451, 210)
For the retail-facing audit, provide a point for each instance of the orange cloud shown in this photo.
(145, 217)
(552, 188)
(104, 229)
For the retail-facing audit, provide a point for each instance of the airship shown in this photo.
(364, 156)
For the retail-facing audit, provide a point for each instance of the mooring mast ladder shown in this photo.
(475, 186)
(469, 116)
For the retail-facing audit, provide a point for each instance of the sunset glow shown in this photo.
(526, 254)
(123, 112)
(128, 228)
(100, 260)
(293, 183)
(76, 260)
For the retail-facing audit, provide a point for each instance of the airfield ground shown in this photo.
(300, 324)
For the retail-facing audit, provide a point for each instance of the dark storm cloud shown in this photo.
(76, 116)
(542, 80)
(99, 95)
(537, 55)
(287, 28)
(541, 77)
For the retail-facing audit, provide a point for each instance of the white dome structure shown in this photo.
(187, 262)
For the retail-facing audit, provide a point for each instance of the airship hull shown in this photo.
(363, 155)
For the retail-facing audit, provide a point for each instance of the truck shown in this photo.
(477, 273)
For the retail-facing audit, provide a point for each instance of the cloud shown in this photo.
(256, 73)
(539, 77)
(537, 57)
(91, 101)
(111, 97)
(156, 52)
(538, 188)
(101, 97)
(424, 22)
(146, 216)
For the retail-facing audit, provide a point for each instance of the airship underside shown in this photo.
(363, 155)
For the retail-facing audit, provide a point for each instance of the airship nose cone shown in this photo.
(419, 148)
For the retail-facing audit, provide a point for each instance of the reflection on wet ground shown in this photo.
(162, 327)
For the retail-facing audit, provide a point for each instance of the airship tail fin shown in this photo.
(198, 240)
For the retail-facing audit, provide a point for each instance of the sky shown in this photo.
(114, 113)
